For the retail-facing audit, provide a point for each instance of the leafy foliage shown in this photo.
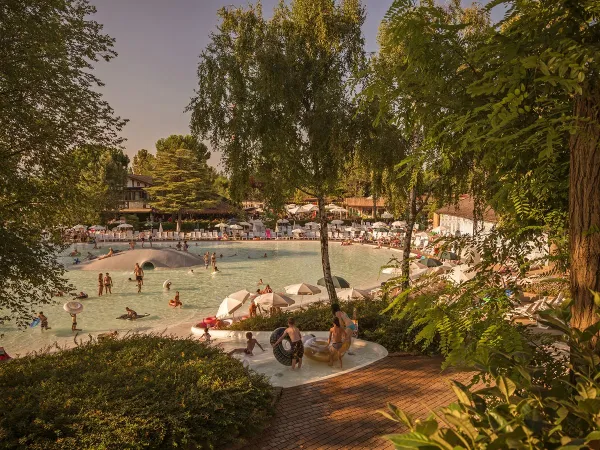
(520, 409)
(143, 162)
(272, 97)
(159, 393)
(396, 335)
(50, 106)
(181, 178)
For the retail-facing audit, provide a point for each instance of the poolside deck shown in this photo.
(341, 412)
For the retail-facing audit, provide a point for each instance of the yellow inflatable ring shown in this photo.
(318, 349)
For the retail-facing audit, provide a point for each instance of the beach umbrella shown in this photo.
(228, 307)
(449, 255)
(380, 225)
(79, 227)
(337, 222)
(354, 294)
(338, 210)
(245, 224)
(311, 225)
(160, 228)
(97, 227)
(392, 271)
(73, 307)
(338, 282)
(417, 265)
(283, 221)
(294, 210)
(302, 289)
(236, 227)
(273, 299)
(431, 262)
(399, 224)
(387, 215)
(240, 296)
(308, 208)
(221, 225)
(124, 225)
(331, 206)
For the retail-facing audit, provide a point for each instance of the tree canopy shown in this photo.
(182, 179)
(143, 162)
(50, 105)
(273, 98)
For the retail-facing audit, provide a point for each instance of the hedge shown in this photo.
(144, 391)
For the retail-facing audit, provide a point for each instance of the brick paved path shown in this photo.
(341, 412)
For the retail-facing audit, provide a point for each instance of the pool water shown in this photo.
(242, 266)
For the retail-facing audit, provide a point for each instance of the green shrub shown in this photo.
(145, 391)
(536, 401)
(395, 335)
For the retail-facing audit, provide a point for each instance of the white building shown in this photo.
(458, 219)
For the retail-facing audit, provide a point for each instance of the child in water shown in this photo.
(250, 344)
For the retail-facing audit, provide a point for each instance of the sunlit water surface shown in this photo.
(287, 262)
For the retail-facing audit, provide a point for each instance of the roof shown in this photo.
(464, 208)
(143, 178)
(363, 202)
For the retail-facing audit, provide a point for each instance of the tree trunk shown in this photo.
(325, 252)
(410, 224)
(179, 221)
(374, 206)
(584, 208)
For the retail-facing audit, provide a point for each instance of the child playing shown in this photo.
(337, 336)
(297, 346)
(74, 323)
(206, 336)
(43, 321)
(251, 343)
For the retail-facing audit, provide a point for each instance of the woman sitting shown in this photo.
(108, 255)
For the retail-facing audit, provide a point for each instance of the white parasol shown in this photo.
(273, 299)
(228, 307)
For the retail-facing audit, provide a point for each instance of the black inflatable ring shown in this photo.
(281, 354)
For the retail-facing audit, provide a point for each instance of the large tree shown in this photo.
(143, 162)
(182, 179)
(50, 105)
(102, 176)
(273, 98)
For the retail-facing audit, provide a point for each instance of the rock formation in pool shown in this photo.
(148, 258)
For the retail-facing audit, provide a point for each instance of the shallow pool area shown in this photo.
(361, 354)
(241, 266)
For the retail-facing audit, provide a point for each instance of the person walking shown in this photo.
(139, 276)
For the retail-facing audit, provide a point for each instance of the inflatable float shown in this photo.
(315, 348)
(126, 317)
(282, 354)
(199, 327)
(79, 296)
(166, 284)
(73, 307)
(35, 322)
(318, 349)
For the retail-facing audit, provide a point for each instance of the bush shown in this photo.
(395, 335)
(535, 401)
(145, 391)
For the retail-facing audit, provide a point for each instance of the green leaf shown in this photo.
(506, 386)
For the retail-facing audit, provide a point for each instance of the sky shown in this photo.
(159, 43)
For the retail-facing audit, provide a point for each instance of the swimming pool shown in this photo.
(241, 265)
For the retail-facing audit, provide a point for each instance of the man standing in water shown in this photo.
(213, 259)
(139, 276)
(206, 258)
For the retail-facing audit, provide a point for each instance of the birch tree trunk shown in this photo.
(325, 252)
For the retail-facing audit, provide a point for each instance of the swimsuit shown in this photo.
(336, 345)
(297, 350)
(138, 278)
(247, 352)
